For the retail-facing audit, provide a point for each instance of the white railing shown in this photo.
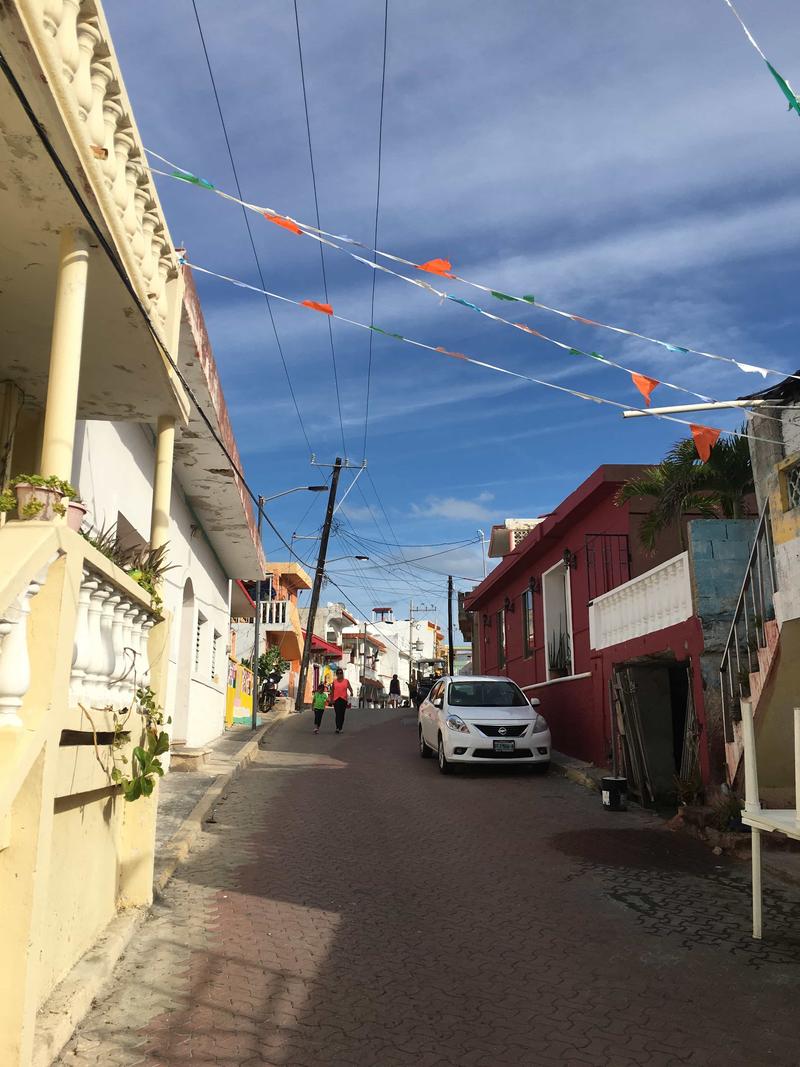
(74, 47)
(15, 662)
(659, 598)
(110, 652)
(275, 613)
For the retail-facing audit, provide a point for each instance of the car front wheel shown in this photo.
(424, 751)
(444, 766)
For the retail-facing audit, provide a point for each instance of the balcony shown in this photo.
(659, 598)
(275, 615)
(61, 55)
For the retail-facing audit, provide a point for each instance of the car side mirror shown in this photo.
(534, 702)
(439, 702)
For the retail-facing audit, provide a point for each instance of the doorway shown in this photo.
(184, 680)
(656, 727)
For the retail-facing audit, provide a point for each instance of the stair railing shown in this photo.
(754, 608)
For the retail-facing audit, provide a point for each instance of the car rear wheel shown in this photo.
(444, 766)
(424, 751)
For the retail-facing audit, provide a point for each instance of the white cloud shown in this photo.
(455, 509)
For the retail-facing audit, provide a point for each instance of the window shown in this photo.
(527, 624)
(198, 641)
(501, 638)
(500, 694)
(214, 651)
(557, 636)
(793, 486)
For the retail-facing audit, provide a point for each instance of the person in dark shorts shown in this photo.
(318, 703)
(341, 691)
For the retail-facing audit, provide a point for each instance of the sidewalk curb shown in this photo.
(69, 1003)
(585, 774)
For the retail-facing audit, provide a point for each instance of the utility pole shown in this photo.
(450, 623)
(410, 645)
(318, 576)
(363, 691)
(254, 660)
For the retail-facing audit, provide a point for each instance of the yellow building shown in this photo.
(95, 311)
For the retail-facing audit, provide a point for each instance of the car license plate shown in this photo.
(504, 746)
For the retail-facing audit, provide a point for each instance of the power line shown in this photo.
(377, 214)
(316, 208)
(247, 224)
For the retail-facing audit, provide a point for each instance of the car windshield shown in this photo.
(498, 694)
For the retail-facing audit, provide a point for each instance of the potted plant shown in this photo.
(40, 498)
(75, 514)
(559, 655)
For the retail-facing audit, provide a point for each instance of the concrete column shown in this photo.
(65, 355)
(162, 481)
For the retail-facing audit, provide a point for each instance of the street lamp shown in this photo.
(337, 558)
(297, 489)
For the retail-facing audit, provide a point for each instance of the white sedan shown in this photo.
(482, 720)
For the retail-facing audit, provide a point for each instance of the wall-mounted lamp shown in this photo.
(509, 604)
(533, 585)
(570, 559)
(487, 620)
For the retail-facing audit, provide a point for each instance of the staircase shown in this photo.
(753, 645)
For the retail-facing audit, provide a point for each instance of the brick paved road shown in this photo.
(352, 906)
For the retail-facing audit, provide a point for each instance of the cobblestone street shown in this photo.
(352, 906)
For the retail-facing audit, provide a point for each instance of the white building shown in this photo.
(211, 540)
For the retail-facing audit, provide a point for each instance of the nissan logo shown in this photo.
(502, 730)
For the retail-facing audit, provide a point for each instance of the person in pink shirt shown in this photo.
(341, 691)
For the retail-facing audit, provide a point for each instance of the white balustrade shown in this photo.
(659, 598)
(276, 612)
(110, 656)
(76, 50)
(15, 664)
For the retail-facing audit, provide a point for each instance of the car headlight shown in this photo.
(455, 722)
(539, 724)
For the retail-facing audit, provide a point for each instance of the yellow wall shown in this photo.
(239, 693)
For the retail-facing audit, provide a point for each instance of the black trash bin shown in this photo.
(614, 791)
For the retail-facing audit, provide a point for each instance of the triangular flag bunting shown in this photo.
(279, 220)
(185, 176)
(447, 352)
(437, 266)
(786, 89)
(748, 368)
(705, 437)
(326, 309)
(501, 296)
(645, 385)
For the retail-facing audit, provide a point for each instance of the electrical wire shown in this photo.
(377, 215)
(247, 224)
(316, 208)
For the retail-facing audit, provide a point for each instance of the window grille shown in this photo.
(214, 650)
(793, 486)
(198, 641)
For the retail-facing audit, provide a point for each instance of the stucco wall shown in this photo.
(113, 470)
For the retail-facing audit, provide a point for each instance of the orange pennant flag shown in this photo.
(645, 385)
(437, 266)
(326, 309)
(586, 322)
(705, 437)
(447, 352)
(527, 329)
(279, 220)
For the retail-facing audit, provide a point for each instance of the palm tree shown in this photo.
(680, 484)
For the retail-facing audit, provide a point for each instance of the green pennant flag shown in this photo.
(596, 355)
(185, 176)
(786, 89)
(502, 296)
(576, 352)
(530, 298)
(397, 336)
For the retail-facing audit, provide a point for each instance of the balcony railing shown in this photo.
(275, 613)
(753, 635)
(74, 48)
(659, 598)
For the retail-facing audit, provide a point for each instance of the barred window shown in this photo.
(793, 486)
(527, 623)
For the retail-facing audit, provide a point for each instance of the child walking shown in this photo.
(318, 702)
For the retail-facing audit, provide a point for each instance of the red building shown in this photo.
(578, 603)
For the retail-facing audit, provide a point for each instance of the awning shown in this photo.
(325, 647)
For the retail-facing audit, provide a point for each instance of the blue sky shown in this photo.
(629, 160)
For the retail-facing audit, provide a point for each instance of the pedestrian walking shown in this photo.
(318, 703)
(394, 691)
(341, 691)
